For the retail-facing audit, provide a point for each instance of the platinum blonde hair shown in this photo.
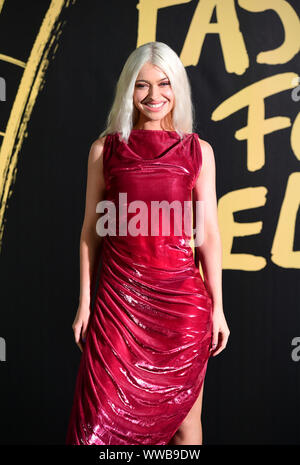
(124, 115)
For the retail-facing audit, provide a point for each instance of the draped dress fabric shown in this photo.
(149, 333)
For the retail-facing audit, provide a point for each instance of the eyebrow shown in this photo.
(144, 80)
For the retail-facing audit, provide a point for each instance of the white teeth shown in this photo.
(155, 106)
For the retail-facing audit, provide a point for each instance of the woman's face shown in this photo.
(152, 86)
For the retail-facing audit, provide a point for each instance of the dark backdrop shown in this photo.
(251, 391)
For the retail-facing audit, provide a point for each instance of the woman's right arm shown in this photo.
(90, 241)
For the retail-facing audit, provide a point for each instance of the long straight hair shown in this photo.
(124, 115)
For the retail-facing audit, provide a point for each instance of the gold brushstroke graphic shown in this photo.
(31, 83)
(253, 99)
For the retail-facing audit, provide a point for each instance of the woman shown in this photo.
(154, 324)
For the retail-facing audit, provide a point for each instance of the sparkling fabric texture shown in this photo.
(149, 333)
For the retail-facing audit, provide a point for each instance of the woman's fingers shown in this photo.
(77, 330)
(83, 333)
(214, 340)
(223, 338)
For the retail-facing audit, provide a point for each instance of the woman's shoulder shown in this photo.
(99, 142)
(204, 144)
(96, 149)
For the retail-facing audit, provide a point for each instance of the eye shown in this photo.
(167, 83)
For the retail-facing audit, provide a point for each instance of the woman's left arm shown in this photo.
(210, 248)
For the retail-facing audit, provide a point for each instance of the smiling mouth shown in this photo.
(157, 105)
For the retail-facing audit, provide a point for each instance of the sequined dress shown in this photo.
(149, 333)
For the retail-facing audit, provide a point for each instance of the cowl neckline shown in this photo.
(150, 144)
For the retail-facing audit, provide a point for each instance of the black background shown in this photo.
(251, 391)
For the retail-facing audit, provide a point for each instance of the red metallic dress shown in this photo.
(149, 333)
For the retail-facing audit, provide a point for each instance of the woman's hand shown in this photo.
(80, 324)
(220, 332)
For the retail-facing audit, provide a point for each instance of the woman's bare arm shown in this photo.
(210, 250)
(90, 241)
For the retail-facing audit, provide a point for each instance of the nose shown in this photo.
(153, 93)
